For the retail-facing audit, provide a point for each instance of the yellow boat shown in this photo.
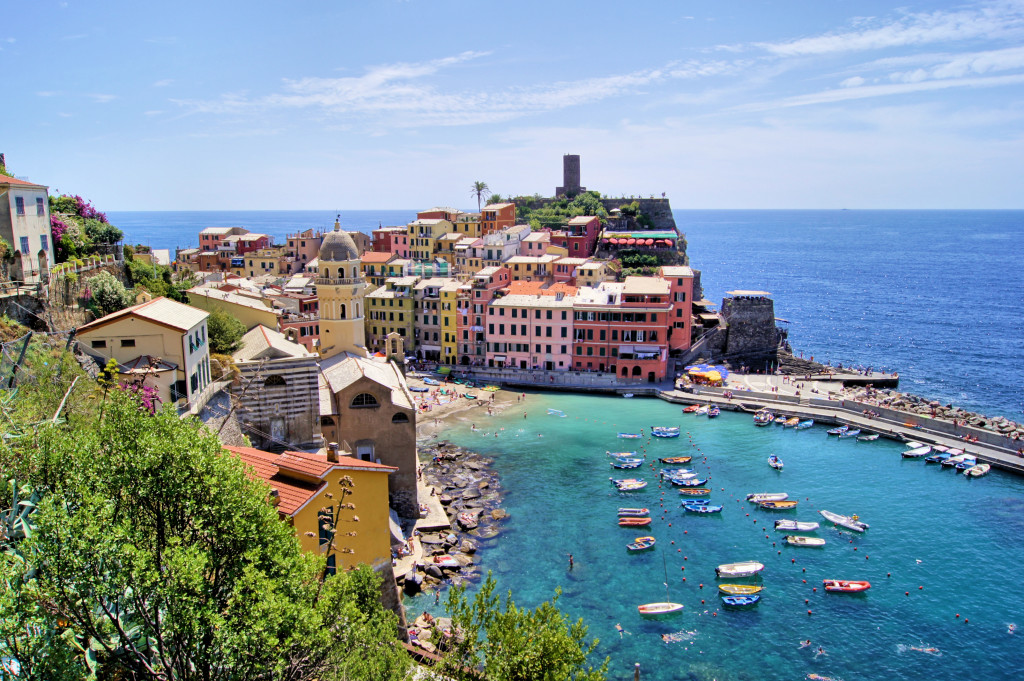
(783, 505)
(695, 491)
(740, 589)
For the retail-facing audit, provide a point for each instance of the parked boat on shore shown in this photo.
(850, 522)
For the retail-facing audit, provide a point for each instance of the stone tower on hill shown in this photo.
(340, 287)
(570, 177)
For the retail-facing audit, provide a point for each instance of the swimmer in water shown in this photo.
(618, 628)
(930, 651)
(1010, 628)
(821, 651)
(805, 644)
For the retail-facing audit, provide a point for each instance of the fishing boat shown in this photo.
(665, 429)
(630, 436)
(763, 418)
(626, 463)
(641, 544)
(634, 522)
(954, 460)
(758, 497)
(775, 462)
(850, 522)
(869, 437)
(627, 395)
(665, 433)
(967, 464)
(702, 508)
(666, 607)
(629, 484)
(978, 470)
(791, 422)
(556, 412)
(694, 502)
(838, 431)
(744, 569)
(676, 459)
(937, 458)
(804, 425)
(621, 455)
(784, 505)
(692, 482)
(695, 491)
(677, 474)
(740, 589)
(702, 411)
(633, 512)
(714, 411)
(850, 433)
(794, 540)
(916, 453)
(846, 585)
(691, 408)
(740, 601)
(795, 526)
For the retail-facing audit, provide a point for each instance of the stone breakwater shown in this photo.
(470, 492)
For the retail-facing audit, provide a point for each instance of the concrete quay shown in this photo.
(889, 423)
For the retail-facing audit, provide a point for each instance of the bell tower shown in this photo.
(340, 288)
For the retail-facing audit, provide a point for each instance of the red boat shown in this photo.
(846, 586)
(634, 522)
(692, 408)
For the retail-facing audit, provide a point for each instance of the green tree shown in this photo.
(495, 198)
(107, 294)
(478, 190)
(154, 555)
(225, 332)
(102, 232)
(506, 643)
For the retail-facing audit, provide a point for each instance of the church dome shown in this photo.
(338, 246)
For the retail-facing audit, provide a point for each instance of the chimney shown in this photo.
(332, 452)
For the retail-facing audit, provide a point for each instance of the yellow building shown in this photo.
(593, 273)
(249, 310)
(444, 248)
(449, 314)
(307, 491)
(391, 309)
(161, 343)
(468, 224)
(273, 261)
(374, 265)
(423, 236)
(340, 287)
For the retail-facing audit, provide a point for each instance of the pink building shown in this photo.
(680, 281)
(471, 313)
(304, 246)
(531, 330)
(535, 244)
(579, 237)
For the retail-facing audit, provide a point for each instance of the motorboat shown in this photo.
(695, 491)
(633, 512)
(967, 464)
(917, 452)
(794, 540)
(804, 425)
(739, 601)
(846, 585)
(676, 459)
(656, 609)
(634, 522)
(702, 411)
(622, 455)
(665, 433)
(795, 526)
(838, 431)
(758, 497)
(740, 589)
(630, 436)
(937, 458)
(691, 408)
(784, 505)
(626, 463)
(850, 433)
(954, 460)
(744, 569)
(665, 429)
(641, 544)
(693, 482)
(629, 484)
(775, 462)
(850, 522)
(978, 470)
(869, 437)
(714, 411)
(702, 508)
(791, 422)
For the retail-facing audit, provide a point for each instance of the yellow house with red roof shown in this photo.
(311, 489)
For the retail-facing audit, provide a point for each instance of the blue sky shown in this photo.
(356, 104)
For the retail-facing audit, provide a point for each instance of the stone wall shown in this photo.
(658, 210)
(751, 335)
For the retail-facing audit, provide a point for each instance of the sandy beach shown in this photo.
(446, 401)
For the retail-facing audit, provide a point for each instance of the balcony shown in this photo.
(346, 281)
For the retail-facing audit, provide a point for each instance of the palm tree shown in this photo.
(478, 190)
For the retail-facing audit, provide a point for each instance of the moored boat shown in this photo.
(838, 431)
(656, 609)
(702, 411)
(763, 417)
(804, 425)
(629, 436)
(954, 460)
(629, 484)
(784, 505)
(743, 569)
(622, 455)
(917, 452)
(869, 437)
(633, 512)
(846, 585)
(968, 463)
(739, 601)
(850, 433)
(665, 433)
(850, 522)
(695, 491)
(691, 408)
(556, 412)
(795, 526)
(676, 459)
(702, 508)
(775, 462)
(740, 589)
(665, 429)
(693, 482)
(794, 540)
(634, 522)
(641, 544)
(714, 411)
(978, 470)
(626, 463)
(937, 458)
(758, 497)
(791, 422)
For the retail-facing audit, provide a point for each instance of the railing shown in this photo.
(346, 281)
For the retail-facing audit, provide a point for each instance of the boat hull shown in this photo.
(740, 589)
(846, 586)
(659, 609)
(848, 522)
(748, 569)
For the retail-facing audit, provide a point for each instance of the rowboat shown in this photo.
(758, 497)
(633, 512)
(629, 484)
(850, 433)
(775, 462)
(694, 502)
(784, 505)
(738, 601)
(665, 429)
(792, 422)
(744, 569)
(626, 463)
(693, 482)
(634, 522)
(850, 522)
(804, 425)
(795, 526)
(695, 491)
(838, 431)
(794, 540)
(763, 417)
(702, 508)
(845, 585)
(641, 544)
(624, 481)
(937, 458)
(702, 411)
(665, 433)
(966, 464)
(978, 470)
(954, 460)
(713, 412)
(917, 452)
(677, 474)
(630, 436)
(676, 459)
(691, 408)
(622, 455)
(740, 589)
(870, 437)
(655, 609)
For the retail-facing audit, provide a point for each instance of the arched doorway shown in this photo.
(636, 371)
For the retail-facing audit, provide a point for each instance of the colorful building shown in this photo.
(530, 331)
(680, 281)
(468, 224)
(579, 237)
(449, 294)
(496, 217)
(423, 235)
(304, 246)
(374, 266)
(471, 318)
(25, 225)
(391, 308)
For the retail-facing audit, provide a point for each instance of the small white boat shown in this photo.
(775, 462)
(917, 452)
(758, 497)
(911, 444)
(794, 540)
(850, 522)
(703, 411)
(744, 569)
(871, 437)
(954, 460)
(627, 395)
(795, 526)
(662, 608)
(978, 470)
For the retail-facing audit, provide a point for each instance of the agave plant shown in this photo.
(15, 522)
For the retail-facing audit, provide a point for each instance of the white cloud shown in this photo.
(101, 98)
(163, 82)
(855, 81)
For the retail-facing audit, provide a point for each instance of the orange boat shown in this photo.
(634, 522)
(695, 491)
(676, 459)
(846, 586)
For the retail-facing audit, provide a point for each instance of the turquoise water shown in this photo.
(959, 539)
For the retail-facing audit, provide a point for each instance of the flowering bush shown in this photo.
(147, 395)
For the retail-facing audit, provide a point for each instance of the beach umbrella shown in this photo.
(630, 242)
(648, 242)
